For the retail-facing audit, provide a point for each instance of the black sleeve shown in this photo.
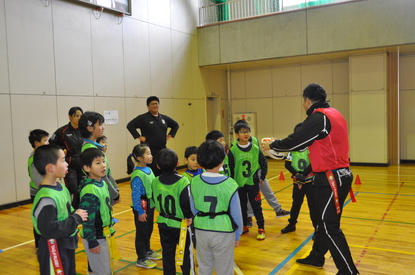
(51, 228)
(133, 125)
(307, 171)
(289, 167)
(56, 138)
(174, 126)
(231, 163)
(316, 126)
(263, 163)
(185, 203)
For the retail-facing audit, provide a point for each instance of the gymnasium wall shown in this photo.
(321, 29)
(56, 57)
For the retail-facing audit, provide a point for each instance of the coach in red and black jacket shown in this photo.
(69, 139)
(325, 134)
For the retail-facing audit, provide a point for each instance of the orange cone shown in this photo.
(282, 176)
(357, 180)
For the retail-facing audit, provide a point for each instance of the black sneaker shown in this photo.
(309, 262)
(288, 228)
(282, 213)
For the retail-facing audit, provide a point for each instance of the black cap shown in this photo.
(315, 92)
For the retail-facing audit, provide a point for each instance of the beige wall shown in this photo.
(328, 28)
(275, 94)
(56, 57)
(407, 110)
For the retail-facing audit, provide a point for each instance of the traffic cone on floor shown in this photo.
(357, 180)
(282, 176)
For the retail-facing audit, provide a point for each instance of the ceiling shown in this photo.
(334, 56)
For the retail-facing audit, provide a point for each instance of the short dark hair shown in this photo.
(210, 154)
(152, 98)
(167, 160)
(44, 155)
(190, 151)
(37, 135)
(88, 156)
(241, 124)
(138, 151)
(89, 119)
(214, 135)
(101, 138)
(315, 93)
(73, 110)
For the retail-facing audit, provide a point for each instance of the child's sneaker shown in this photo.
(152, 255)
(261, 235)
(282, 213)
(249, 222)
(245, 229)
(146, 263)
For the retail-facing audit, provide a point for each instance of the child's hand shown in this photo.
(261, 183)
(95, 250)
(142, 217)
(236, 243)
(82, 213)
(117, 201)
(189, 221)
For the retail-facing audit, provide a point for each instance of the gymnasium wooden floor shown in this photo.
(380, 229)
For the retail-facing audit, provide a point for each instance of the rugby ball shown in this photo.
(272, 153)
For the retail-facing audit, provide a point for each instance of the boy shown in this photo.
(171, 195)
(219, 137)
(190, 159)
(103, 141)
(91, 126)
(53, 216)
(218, 228)
(37, 138)
(95, 196)
(245, 160)
(298, 163)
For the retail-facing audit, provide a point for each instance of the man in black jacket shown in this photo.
(69, 139)
(324, 132)
(153, 127)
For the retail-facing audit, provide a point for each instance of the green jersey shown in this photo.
(167, 199)
(100, 191)
(62, 201)
(246, 164)
(213, 201)
(147, 180)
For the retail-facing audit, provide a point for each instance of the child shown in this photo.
(218, 229)
(298, 163)
(37, 138)
(94, 196)
(143, 208)
(190, 159)
(91, 127)
(245, 160)
(219, 137)
(171, 194)
(265, 190)
(103, 141)
(52, 214)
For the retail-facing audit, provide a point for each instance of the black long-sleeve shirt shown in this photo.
(69, 138)
(154, 128)
(316, 126)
